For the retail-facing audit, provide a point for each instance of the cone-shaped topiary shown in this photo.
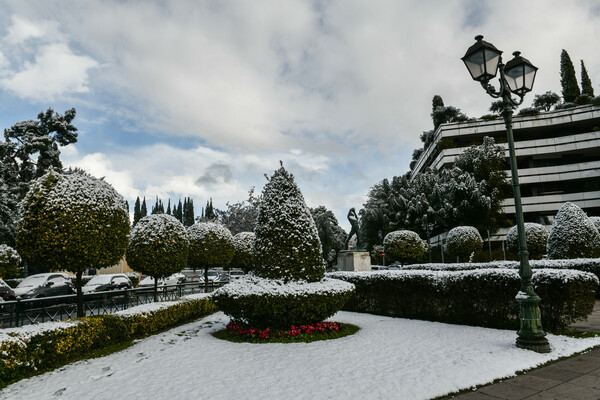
(287, 244)
(404, 246)
(536, 237)
(158, 246)
(243, 243)
(573, 235)
(462, 241)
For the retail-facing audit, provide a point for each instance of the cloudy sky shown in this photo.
(202, 98)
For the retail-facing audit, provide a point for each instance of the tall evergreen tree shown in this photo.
(188, 211)
(143, 209)
(586, 82)
(179, 213)
(568, 80)
(137, 211)
(169, 207)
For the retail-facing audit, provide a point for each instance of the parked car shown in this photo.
(213, 276)
(44, 285)
(174, 279)
(235, 274)
(6, 292)
(103, 283)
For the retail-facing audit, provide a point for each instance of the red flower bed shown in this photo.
(294, 331)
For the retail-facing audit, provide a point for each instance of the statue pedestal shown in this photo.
(350, 260)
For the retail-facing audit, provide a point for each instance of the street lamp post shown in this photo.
(484, 61)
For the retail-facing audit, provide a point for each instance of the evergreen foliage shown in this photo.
(137, 211)
(243, 258)
(72, 222)
(442, 115)
(143, 209)
(179, 212)
(573, 235)
(287, 244)
(241, 216)
(568, 80)
(331, 234)
(536, 237)
(211, 245)
(586, 82)
(169, 208)
(188, 212)
(158, 246)
(546, 101)
(9, 262)
(158, 207)
(497, 107)
(404, 246)
(462, 241)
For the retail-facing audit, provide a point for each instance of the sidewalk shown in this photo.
(574, 378)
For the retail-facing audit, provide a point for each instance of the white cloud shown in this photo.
(23, 29)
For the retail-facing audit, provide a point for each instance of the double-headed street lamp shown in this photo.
(483, 61)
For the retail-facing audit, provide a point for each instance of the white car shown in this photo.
(235, 274)
(174, 279)
(213, 276)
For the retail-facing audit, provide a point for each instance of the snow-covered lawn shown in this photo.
(387, 358)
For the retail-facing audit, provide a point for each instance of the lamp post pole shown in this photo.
(483, 60)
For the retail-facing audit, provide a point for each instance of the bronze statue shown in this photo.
(353, 218)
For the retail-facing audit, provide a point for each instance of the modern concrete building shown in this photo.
(558, 157)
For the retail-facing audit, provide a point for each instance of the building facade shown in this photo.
(558, 158)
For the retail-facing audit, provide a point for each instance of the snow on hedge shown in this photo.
(463, 241)
(404, 246)
(536, 238)
(257, 286)
(573, 234)
(211, 245)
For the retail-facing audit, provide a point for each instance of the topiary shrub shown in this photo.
(536, 237)
(9, 262)
(211, 245)
(596, 221)
(243, 258)
(404, 246)
(573, 235)
(158, 246)
(72, 222)
(290, 288)
(462, 241)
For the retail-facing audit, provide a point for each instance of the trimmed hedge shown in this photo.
(484, 297)
(24, 353)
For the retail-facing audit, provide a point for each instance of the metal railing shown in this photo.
(32, 311)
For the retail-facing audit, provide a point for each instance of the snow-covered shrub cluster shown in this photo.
(243, 243)
(404, 246)
(480, 297)
(462, 241)
(573, 235)
(9, 262)
(287, 244)
(596, 221)
(211, 245)
(158, 246)
(289, 288)
(536, 237)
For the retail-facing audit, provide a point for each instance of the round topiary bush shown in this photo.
(573, 235)
(536, 237)
(290, 288)
(9, 262)
(72, 222)
(462, 241)
(404, 246)
(158, 246)
(211, 246)
(243, 243)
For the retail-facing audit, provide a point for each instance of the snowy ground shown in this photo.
(387, 358)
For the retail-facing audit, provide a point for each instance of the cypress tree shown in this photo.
(144, 209)
(179, 215)
(188, 212)
(136, 211)
(169, 207)
(586, 82)
(568, 80)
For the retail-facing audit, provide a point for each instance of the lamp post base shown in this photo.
(531, 335)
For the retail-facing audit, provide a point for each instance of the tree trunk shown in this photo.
(156, 289)
(205, 279)
(80, 312)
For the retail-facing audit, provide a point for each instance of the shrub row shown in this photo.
(484, 297)
(27, 350)
(579, 264)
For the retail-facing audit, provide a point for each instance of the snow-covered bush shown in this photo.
(462, 241)
(404, 246)
(211, 245)
(287, 244)
(72, 222)
(480, 297)
(289, 288)
(573, 235)
(596, 221)
(158, 246)
(243, 243)
(9, 262)
(536, 237)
